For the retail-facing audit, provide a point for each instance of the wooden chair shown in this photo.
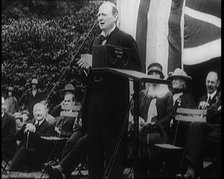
(182, 115)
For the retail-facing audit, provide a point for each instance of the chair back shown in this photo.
(191, 115)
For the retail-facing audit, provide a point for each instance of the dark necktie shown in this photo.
(37, 124)
(209, 99)
(103, 38)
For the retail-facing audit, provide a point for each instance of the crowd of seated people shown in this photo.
(33, 138)
(25, 140)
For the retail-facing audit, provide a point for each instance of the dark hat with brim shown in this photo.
(156, 67)
(68, 88)
(34, 82)
(179, 73)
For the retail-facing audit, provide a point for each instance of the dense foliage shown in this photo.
(43, 45)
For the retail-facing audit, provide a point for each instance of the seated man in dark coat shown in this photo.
(70, 161)
(75, 148)
(34, 150)
(8, 127)
(204, 139)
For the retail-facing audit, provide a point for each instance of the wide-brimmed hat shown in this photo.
(157, 68)
(179, 73)
(34, 81)
(10, 88)
(25, 112)
(18, 115)
(68, 88)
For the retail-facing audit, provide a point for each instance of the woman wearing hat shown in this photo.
(19, 120)
(155, 111)
(181, 98)
(11, 102)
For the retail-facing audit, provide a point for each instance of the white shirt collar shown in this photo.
(212, 94)
(104, 34)
(40, 122)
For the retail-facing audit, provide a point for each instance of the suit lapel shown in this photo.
(213, 100)
(113, 40)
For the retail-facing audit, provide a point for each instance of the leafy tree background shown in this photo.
(39, 39)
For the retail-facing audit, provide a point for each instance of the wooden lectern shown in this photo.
(137, 78)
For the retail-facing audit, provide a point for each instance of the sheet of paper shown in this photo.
(87, 58)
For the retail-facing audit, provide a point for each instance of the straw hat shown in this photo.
(68, 88)
(180, 74)
(10, 88)
(156, 67)
(18, 115)
(25, 112)
(34, 81)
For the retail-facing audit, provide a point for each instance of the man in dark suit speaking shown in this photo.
(106, 99)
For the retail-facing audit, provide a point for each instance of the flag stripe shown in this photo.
(192, 56)
(173, 33)
(203, 17)
(174, 36)
(199, 32)
(141, 31)
(212, 7)
(157, 32)
(128, 13)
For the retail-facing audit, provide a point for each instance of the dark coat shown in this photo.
(8, 131)
(164, 107)
(186, 100)
(204, 139)
(31, 100)
(205, 97)
(105, 108)
(34, 150)
(44, 129)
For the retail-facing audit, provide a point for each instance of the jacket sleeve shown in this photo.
(170, 111)
(12, 130)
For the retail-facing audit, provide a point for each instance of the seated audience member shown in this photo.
(69, 89)
(49, 118)
(180, 90)
(11, 102)
(212, 84)
(19, 120)
(8, 131)
(69, 123)
(74, 151)
(25, 115)
(156, 111)
(34, 151)
(68, 115)
(70, 161)
(181, 98)
(204, 139)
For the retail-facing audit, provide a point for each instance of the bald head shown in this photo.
(212, 82)
(39, 111)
